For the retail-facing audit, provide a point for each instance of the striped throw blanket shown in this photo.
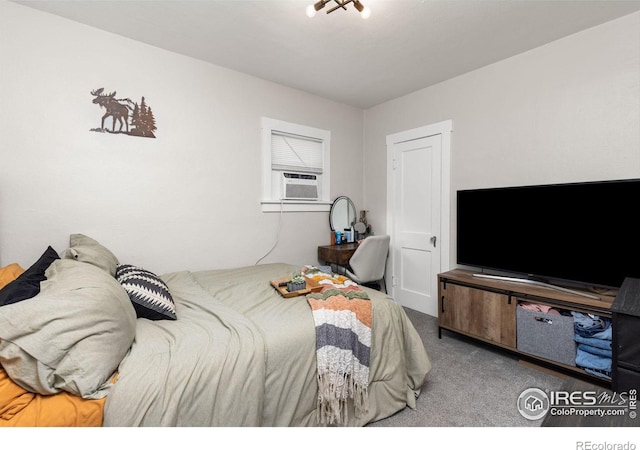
(343, 319)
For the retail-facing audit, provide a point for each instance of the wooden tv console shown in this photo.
(485, 309)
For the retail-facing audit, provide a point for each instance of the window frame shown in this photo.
(271, 201)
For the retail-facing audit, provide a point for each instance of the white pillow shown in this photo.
(72, 335)
(86, 249)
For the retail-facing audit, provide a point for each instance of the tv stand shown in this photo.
(537, 283)
(497, 310)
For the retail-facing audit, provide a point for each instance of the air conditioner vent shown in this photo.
(299, 186)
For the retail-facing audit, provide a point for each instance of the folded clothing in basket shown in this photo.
(539, 308)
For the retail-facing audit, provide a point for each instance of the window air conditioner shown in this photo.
(299, 186)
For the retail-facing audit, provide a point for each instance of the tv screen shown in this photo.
(583, 234)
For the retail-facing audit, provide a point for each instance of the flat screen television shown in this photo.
(579, 234)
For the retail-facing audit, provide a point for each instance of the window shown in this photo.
(295, 167)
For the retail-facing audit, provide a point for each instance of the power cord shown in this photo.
(277, 234)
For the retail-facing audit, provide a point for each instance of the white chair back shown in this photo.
(369, 260)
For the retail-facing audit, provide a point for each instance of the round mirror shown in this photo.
(342, 214)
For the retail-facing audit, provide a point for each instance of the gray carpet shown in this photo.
(469, 385)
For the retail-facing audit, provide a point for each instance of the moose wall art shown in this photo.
(131, 118)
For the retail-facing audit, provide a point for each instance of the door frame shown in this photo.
(444, 128)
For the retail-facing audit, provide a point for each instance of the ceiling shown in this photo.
(404, 46)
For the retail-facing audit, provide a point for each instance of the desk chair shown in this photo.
(368, 262)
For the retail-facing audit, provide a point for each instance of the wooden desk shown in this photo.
(337, 254)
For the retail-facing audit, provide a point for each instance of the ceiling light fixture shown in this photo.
(317, 6)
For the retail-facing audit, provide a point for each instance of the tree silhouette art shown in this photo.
(142, 120)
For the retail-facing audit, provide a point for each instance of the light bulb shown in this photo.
(311, 11)
(366, 12)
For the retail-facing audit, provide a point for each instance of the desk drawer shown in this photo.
(336, 254)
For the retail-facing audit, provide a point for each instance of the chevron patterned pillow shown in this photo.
(148, 293)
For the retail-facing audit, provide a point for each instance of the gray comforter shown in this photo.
(241, 355)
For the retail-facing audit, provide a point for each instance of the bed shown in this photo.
(214, 348)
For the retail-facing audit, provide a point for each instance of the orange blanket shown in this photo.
(10, 273)
(21, 408)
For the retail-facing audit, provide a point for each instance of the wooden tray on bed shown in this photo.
(312, 286)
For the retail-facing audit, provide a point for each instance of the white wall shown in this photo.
(189, 199)
(568, 111)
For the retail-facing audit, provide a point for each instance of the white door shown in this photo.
(415, 219)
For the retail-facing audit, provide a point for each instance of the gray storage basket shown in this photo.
(548, 336)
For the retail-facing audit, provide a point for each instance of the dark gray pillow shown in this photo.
(27, 285)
